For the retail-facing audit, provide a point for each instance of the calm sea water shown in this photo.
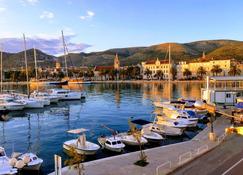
(43, 131)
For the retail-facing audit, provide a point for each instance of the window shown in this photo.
(119, 142)
(107, 142)
(113, 143)
(228, 95)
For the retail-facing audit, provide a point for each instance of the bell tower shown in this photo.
(116, 62)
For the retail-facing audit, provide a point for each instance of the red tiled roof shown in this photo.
(99, 68)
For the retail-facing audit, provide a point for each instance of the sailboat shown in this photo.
(30, 101)
(42, 95)
(65, 94)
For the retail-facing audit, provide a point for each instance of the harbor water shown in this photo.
(43, 131)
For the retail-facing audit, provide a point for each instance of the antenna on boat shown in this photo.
(64, 50)
(36, 71)
(169, 74)
(26, 67)
(1, 69)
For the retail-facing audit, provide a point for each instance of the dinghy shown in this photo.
(150, 135)
(129, 139)
(81, 145)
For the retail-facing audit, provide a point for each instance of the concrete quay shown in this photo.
(162, 160)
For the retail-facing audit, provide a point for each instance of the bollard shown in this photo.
(58, 164)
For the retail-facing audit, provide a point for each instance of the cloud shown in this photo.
(47, 15)
(89, 15)
(30, 2)
(2, 9)
(46, 43)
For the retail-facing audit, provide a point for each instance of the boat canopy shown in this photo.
(77, 131)
(140, 122)
(227, 78)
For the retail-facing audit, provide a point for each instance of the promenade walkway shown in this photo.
(162, 160)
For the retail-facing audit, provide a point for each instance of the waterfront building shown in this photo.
(154, 66)
(224, 64)
(104, 72)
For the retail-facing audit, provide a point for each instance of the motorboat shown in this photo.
(129, 139)
(32, 162)
(45, 96)
(111, 143)
(81, 145)
(165, 130)
(5, 167)
(176, 123)
(31, 102)
(10, 104)
(65, 94)
(151, 136)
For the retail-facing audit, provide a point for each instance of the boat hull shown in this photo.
(79, 151)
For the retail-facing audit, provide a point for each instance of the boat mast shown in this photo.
(36, 72)
(1, 70)
(65, 57)
(169, 74)
(26, 67)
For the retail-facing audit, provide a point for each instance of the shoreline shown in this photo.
(112, 81)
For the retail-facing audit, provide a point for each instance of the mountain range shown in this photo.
(214, 49)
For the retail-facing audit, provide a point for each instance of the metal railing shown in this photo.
(164, 165)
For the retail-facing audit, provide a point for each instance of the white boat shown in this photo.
(150, 135)
(31, 102)
(45, 96)
(65, 94)
(8, 103)
(165, 130)
(163, 120)
(32, 162)
(129, 139)
(81, 145)
(112, 143)
(5, 167)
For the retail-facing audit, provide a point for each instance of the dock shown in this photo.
(162, 160)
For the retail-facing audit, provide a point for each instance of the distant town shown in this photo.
(152, 69)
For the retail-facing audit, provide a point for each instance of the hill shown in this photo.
(216, 49)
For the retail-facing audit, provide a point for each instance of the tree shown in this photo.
(173, 72)
(148, 73)
(216, 70)
(234, 71)
(75, 160)
(122, 73)
(187, 73)
(159, 75)
(138, 136)
(201, 72)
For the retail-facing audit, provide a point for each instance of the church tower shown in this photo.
(116, 63)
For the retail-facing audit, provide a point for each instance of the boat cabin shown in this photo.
(223, 90)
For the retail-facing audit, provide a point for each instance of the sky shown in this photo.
(97, 25)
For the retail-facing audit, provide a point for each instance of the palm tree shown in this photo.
(234, 71)
(159, 75)
(216, 70)
(148, 73)
(201, 72)
(137, 134)
(187, 73)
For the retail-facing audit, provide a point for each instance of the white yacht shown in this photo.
(151, 136)
(81, 145)
(5, 167)
(165, 130)
(163, 120)
(65, 94)
(112, 143)
(129, 139)
(8, 103)
(45, 96)
(31, 102)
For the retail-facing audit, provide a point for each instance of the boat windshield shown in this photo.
(2, 153)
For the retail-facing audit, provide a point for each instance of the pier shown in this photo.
(162, 160)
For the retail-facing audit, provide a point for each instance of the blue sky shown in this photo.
(95, 25)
